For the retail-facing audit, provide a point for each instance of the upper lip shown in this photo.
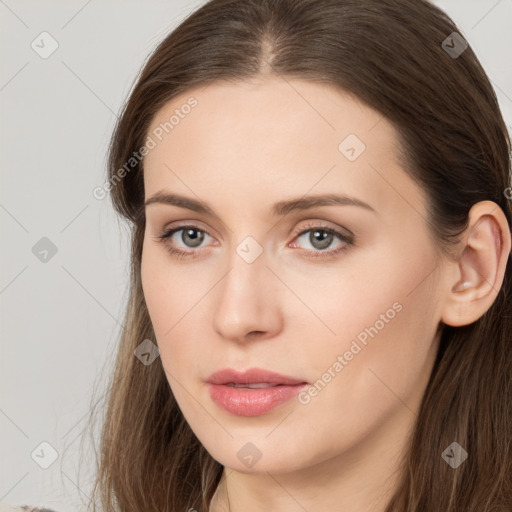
(251, 376)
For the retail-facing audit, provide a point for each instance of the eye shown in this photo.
(321, 238)
(191, 237)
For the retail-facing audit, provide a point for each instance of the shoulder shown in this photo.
(24, 508)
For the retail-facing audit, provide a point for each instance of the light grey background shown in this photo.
(60, 319)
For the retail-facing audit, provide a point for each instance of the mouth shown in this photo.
(253, 392)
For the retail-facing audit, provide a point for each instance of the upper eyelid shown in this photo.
(171, 230)
(319, 224)
(309, 225)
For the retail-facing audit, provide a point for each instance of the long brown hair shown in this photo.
(389, 54)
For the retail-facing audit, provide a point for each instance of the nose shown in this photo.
(247, 302)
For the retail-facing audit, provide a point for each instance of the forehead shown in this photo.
(254, 111)
(271, 138)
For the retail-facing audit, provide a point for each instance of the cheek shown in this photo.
(154, 286)
(162, 293)
(384, 317)
(173, 299)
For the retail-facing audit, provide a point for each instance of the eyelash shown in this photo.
(348, 241)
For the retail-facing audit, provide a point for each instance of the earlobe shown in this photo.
(480, 268)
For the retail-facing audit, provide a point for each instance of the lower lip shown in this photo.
(252, 402)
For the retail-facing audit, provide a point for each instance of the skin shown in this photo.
(243, 148)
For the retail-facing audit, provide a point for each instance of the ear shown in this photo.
(479, 268)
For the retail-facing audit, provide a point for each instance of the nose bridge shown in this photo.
(247, 300)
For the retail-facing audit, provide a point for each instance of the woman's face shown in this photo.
(262, 281)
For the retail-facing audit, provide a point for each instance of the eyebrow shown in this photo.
(279, 209)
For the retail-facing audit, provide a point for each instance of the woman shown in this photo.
(319, 313)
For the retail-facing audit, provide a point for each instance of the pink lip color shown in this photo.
(251, 402)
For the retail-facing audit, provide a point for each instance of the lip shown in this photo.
(243, 401)
(251, 376)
